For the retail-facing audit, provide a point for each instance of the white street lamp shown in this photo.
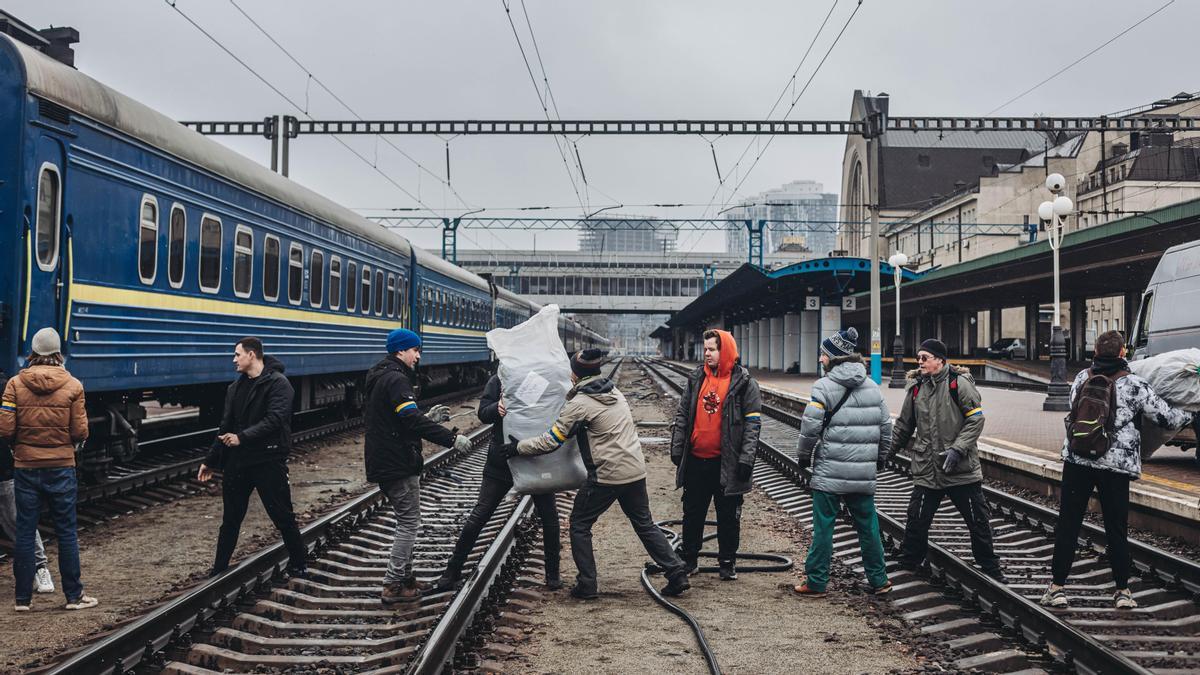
(898, 260)
(1058, 391)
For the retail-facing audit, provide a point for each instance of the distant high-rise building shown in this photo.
(645, 235)
(807, 212)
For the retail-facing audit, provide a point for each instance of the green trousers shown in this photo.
(862, 512)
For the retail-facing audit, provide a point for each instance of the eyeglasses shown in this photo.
(924, 357)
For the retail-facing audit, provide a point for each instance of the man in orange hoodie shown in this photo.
(713, 442)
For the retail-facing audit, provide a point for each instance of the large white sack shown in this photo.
(1172, 375)
(535, 376)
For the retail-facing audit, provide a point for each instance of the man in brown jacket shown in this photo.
(42, 416)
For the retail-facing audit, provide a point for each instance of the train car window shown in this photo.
(390, 310)
(243, 261)
(176, 246)
(271, 268)
(378, 292)
(351, 286)
(335, 282)
(402, 298)
(148, 240)
(49, 205)
(366, 290)
(210, 254)
(295, 273)
(316, 277)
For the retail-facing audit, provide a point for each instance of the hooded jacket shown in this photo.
(263, 426)
(740, 419)
(395, 425)
(598, 416)
(843, 459)
(43, 415)
(705, 439)
(934, 423)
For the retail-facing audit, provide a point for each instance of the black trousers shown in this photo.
(591, 502)
(1077, 484)
(701, 485)
(271, 481)
(491, 493)
(968, 499)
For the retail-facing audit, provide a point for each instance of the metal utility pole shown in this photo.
(876, 123)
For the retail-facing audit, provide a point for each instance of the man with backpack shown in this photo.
(845, 434)
(1103, 450)
(943, 417)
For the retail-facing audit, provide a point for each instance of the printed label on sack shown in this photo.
(547, 475)
(531, 388)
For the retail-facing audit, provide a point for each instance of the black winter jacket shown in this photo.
(395, 425)
(741, 425)
(489, 413)
(266, 435)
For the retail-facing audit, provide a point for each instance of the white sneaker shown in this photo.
(44, 583)
(83, 602)
(1123, 599)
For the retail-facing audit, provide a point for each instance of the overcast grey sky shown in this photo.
(658, 59)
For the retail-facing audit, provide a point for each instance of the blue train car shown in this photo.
(455, 311)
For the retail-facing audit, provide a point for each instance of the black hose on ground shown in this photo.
(780, 564)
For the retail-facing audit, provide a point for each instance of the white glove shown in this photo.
(438, 414)
(462, 443)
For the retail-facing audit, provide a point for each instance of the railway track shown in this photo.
(1000, 627)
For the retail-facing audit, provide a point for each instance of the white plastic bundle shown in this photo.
(535, 376)
(1174, 377)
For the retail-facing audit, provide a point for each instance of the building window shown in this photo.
(295, 273)
(148, 240)
(271, 268)
(49, 205)
(243, 261)
(366, 290)
(316, 277)
(210, 254)
(176, 246)
(378, 292)
(351, 286)
(335, 282)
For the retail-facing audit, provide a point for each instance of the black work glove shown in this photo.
(953, 457)
(677, 460)
(744, 471)
(1196, 425)
(804, 459)
(510, 448)
(880, 462)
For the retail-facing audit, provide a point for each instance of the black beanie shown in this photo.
(936, 347)
(587, 362)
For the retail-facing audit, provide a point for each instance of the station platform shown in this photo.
(1021, 444)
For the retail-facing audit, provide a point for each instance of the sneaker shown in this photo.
(804, 591)
(1055, 596)
(728, 571)
(690, 567)
(23, 606)
(1123, 599)
(882, 590)
(84, 602)
(446, 582)
(44, 583)
(676, 585)
(997, 575)
(580, 593)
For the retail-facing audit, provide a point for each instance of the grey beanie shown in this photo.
(46, 342)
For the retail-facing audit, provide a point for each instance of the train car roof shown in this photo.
(504, 293)
(428, 260)
(56, 82)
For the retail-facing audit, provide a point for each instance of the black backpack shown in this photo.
(1091, 420)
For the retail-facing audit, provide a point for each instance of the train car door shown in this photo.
(46, 244)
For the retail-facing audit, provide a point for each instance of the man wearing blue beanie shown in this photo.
(392, 448)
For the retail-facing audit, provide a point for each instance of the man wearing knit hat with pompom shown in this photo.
(943, 417)
(392, 447)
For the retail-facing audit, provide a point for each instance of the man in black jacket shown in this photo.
(497, 481)
(251, 448)
(392, 449)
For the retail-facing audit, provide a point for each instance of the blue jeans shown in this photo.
(57, 488)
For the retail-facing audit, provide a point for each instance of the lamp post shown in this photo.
(897, 261)
(1058, 392)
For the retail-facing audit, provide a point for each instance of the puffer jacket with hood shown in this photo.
(263, 426)
(395, 426)
(741, 419)
(934, 423)
(598, 416)
(843, 460)
(43, 416)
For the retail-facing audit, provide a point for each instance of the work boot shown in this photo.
(447, 581)
(997, 574)
(728, 571)
(554, 583)
(691, 566)
(406, 590)
(676, 584)
(580, 593)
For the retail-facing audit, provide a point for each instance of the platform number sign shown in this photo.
(812, 302)
(849, 304)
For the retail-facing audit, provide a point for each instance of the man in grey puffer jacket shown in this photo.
(845, 434)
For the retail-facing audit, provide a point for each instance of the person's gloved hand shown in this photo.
(510, 448)
(677, 460)
(462, 443)
(438, 413)
(880, 462)
(744, 472)
(953, 457)
(1196, 425)
(804, 459)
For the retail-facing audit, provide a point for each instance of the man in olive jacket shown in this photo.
(713, 442)
(943, 417)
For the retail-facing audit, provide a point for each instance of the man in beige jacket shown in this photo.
(597, 415)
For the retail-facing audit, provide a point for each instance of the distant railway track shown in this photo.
(1161, 636)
